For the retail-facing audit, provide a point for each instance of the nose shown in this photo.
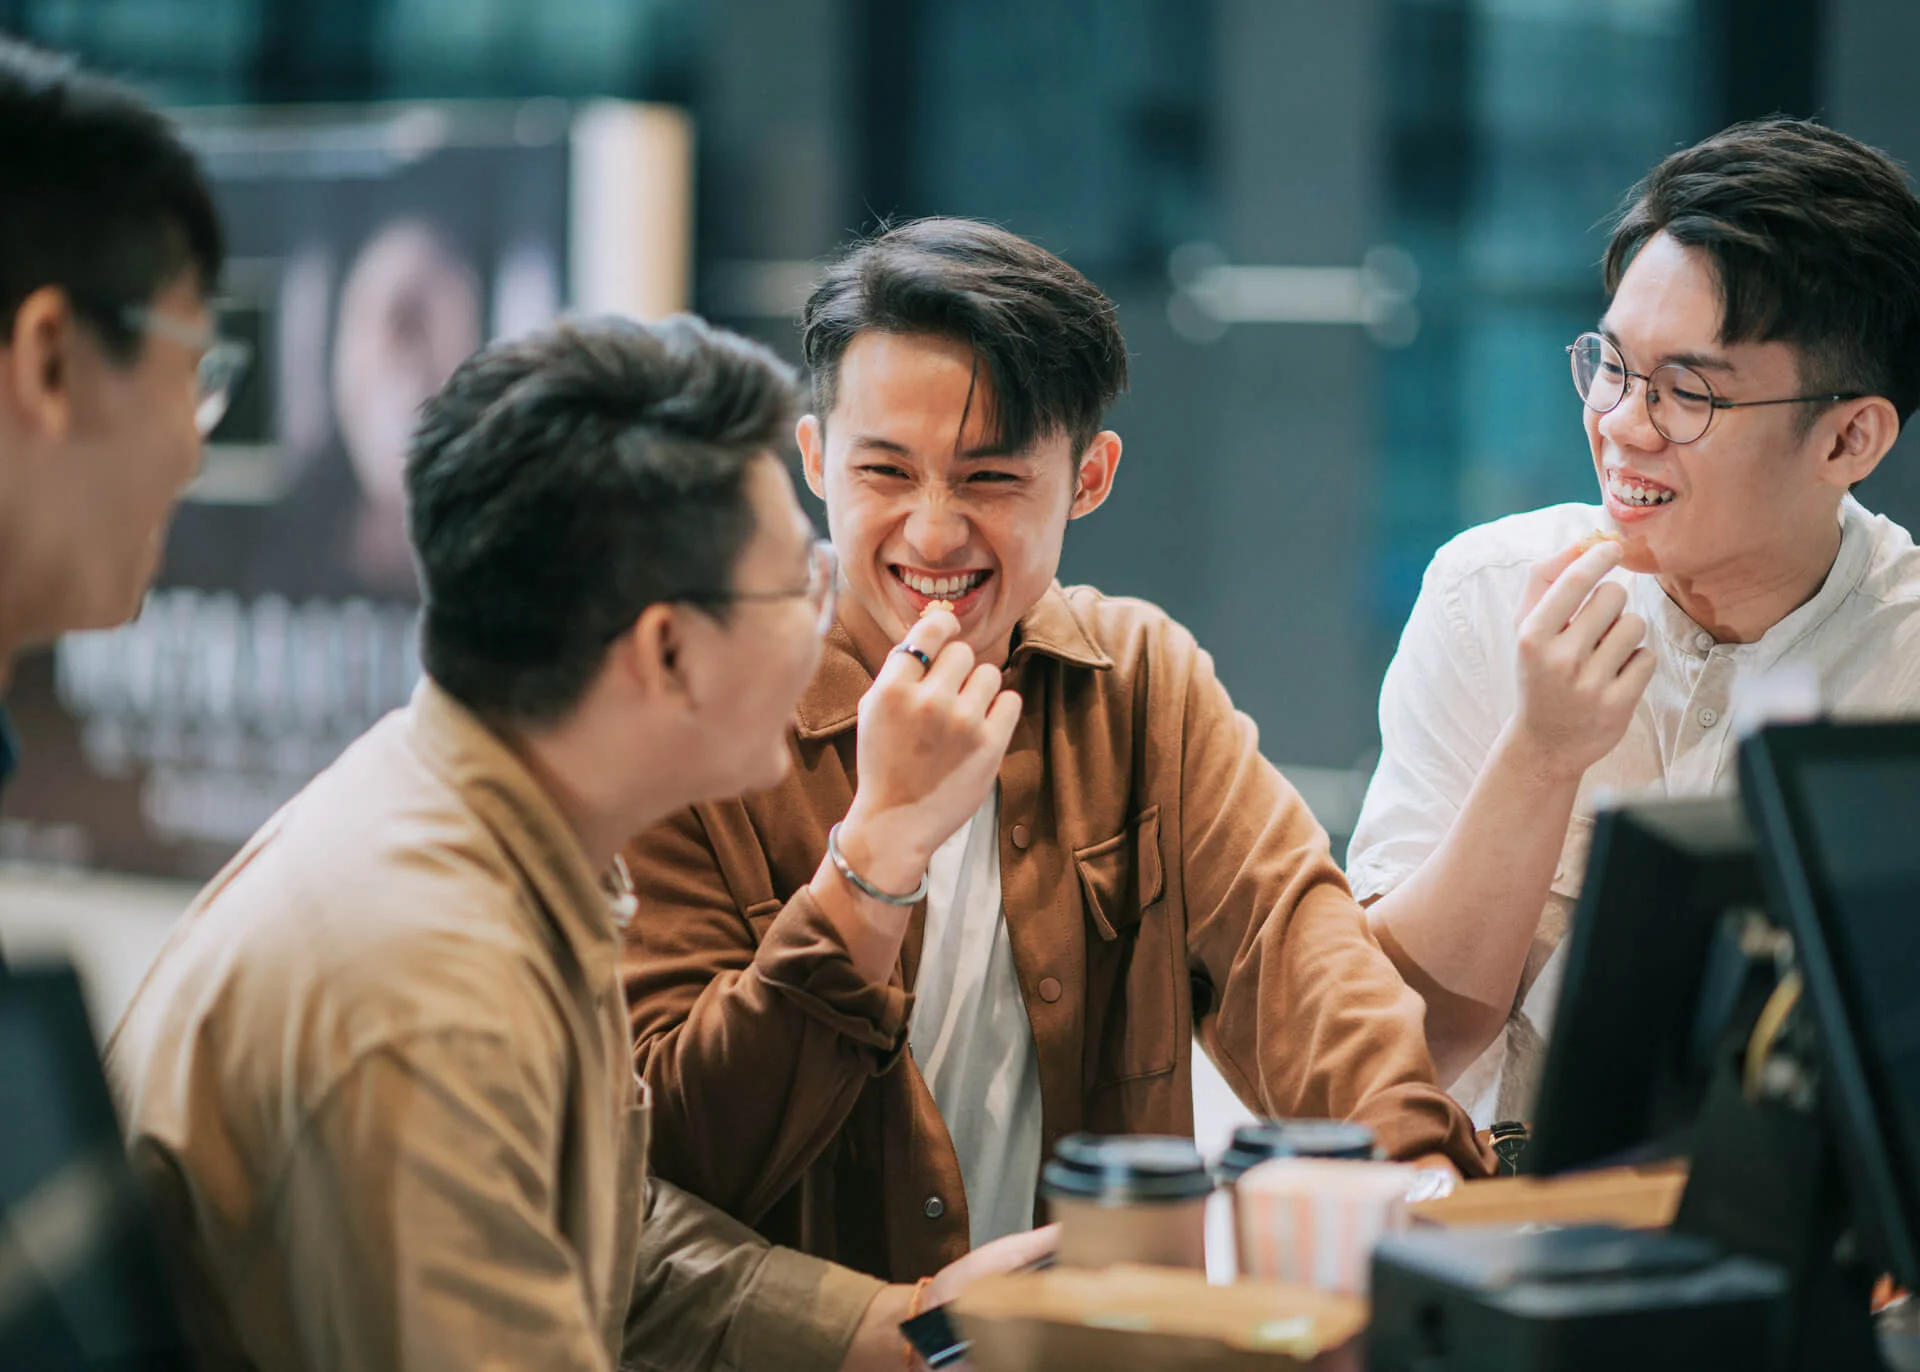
(935, 530)
(1630, 423)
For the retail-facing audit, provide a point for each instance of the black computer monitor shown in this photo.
(1836, 809)
(82, 1288)
(1654, 977)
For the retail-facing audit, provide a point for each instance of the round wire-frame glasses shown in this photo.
(1680, 401)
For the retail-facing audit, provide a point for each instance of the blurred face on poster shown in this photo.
(410, 313)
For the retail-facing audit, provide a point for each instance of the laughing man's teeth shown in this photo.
(1633, 493)
(945, 587)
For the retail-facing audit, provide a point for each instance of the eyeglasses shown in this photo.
(1680, 402)
(222, 360)
(822, 588)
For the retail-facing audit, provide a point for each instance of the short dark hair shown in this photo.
(98, 195)
(1046, 335)
(560, 483)
(1815, 242)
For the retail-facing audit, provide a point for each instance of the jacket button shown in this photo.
(1049, 989)
(1022, 836)
(935, 1207)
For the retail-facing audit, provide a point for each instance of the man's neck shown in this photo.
(604, 808)
(1741, 603)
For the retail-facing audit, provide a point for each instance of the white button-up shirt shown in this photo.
(1452, 687)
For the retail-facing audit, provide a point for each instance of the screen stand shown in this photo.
(1765, 1182)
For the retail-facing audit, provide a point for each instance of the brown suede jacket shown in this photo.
(1158, 876)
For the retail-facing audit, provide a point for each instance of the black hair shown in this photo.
(561, 483)
(1815, 242)
(1045, 334)
(98, 195)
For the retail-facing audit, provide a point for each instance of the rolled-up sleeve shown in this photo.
(709, 1292)
(756, 1044)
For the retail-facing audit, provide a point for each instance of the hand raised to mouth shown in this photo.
(933, 729)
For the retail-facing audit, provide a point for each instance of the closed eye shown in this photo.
(882, 469)
(995, 478)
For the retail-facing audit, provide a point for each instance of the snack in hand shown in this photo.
(1597, 537)
(933, 605)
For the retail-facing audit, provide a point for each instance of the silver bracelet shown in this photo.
(860, 883)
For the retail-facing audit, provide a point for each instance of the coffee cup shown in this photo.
(1128, 1199)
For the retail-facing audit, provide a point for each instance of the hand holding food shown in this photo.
(1582, 667)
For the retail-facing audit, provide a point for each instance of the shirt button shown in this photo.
(1704, 642)
(935, 1207)
(1021, 837)
(1049, 989)
(1708, 716)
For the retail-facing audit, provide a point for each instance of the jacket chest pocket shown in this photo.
(1132, 977)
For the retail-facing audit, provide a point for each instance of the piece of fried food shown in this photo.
(933, 605)
(1599, 536)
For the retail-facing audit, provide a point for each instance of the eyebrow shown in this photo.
(1706, 362)
(985, 452)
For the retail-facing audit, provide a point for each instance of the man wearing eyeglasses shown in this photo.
(379, 1080)
(109, 371)
(1759, 354)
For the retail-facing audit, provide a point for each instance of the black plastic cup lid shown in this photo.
(1254, 1144)
(1122, 1168)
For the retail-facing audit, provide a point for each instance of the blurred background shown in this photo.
(1347, 243)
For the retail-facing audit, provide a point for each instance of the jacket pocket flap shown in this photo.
(1122, 876)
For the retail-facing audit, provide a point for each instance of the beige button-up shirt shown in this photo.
(380, 1085)
(1853, 650)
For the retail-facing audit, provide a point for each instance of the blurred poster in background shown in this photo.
(370, 252)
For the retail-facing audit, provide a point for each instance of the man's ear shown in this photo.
(812, 439)
(1868, 427)
(36, 370)
(1093, 481)
(651, 653)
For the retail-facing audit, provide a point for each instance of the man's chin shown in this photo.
(1639, 556)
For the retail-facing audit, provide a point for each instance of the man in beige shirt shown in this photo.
(379, 1080)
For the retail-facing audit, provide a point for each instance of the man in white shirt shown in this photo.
(1759, 354)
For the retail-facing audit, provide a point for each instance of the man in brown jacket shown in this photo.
(379, 1079)
(1026, 836)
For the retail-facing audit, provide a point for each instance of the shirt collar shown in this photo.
(831, 702)
(497, 786)
(1843, 578)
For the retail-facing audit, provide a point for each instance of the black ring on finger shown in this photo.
(917, 654)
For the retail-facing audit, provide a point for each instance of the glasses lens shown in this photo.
(220, 370)
(1599, 375)
(1680, 402)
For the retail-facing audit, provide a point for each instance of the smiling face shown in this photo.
(924, 506)
(1757, 493)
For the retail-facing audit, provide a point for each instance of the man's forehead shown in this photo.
(1668, 308)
